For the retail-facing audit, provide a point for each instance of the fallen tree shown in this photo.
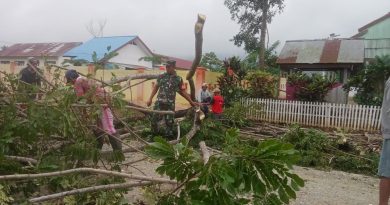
(53, 137)
(31, 138)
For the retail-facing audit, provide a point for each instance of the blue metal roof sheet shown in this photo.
(98, 45)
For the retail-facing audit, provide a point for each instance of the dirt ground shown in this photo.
(321, 187)
(336, 188)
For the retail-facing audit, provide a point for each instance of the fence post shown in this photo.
(327, 115)
(378, 127)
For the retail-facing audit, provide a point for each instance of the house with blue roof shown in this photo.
(129, 50)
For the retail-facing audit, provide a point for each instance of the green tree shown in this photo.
(251, 61)
(54, 136)
(369, 82)
(253, 16)
(212, 62)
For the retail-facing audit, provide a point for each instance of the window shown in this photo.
(4, 62)
(19, 63)
(51, 62)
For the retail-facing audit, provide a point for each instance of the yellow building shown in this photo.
(140, 93)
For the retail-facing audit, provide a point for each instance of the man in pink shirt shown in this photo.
(93, 92)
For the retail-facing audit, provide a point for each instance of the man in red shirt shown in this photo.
(217, 104)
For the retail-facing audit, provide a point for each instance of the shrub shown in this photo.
(313, 89)
(230, 83)
(318, 150)
(262, 84)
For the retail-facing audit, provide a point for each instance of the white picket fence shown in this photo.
(316, 114)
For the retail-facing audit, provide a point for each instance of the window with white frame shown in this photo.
(20, 63)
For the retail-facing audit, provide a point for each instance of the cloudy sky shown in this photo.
(166, 26)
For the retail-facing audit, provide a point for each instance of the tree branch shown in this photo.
(138, 108)
(142, 147)
(194, 129)
(85, 170)
(19, 110)
(88, 189)
(130, 86)
(120, 140)
(205, 152)
(100, 81)
(133, 77)
(22, 159)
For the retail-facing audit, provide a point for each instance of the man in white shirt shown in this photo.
(205, 98)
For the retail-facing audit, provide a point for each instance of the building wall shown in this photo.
(22, 61)
(376, 47)
(130, 55)
(377, 40)
(62, 59)
(138, 94)
(379, 30)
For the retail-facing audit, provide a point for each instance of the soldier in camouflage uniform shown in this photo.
(167, 85)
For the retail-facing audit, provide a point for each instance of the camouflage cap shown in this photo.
(171, 63)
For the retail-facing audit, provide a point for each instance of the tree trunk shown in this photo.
(262, 36)
(198, 53)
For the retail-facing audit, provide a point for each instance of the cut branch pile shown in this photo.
(261, 131)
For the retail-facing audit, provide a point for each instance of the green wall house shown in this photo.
(376, 37)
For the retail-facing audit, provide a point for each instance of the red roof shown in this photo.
(37, 49)
(180, 63)
(374, 22)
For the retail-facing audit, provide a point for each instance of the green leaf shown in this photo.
(274, 199)
(289, 191)
(283, 196)
(297, 179)
(257, 185)
(160, 149)
(294, 185)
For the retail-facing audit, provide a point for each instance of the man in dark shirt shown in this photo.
(30, 78)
